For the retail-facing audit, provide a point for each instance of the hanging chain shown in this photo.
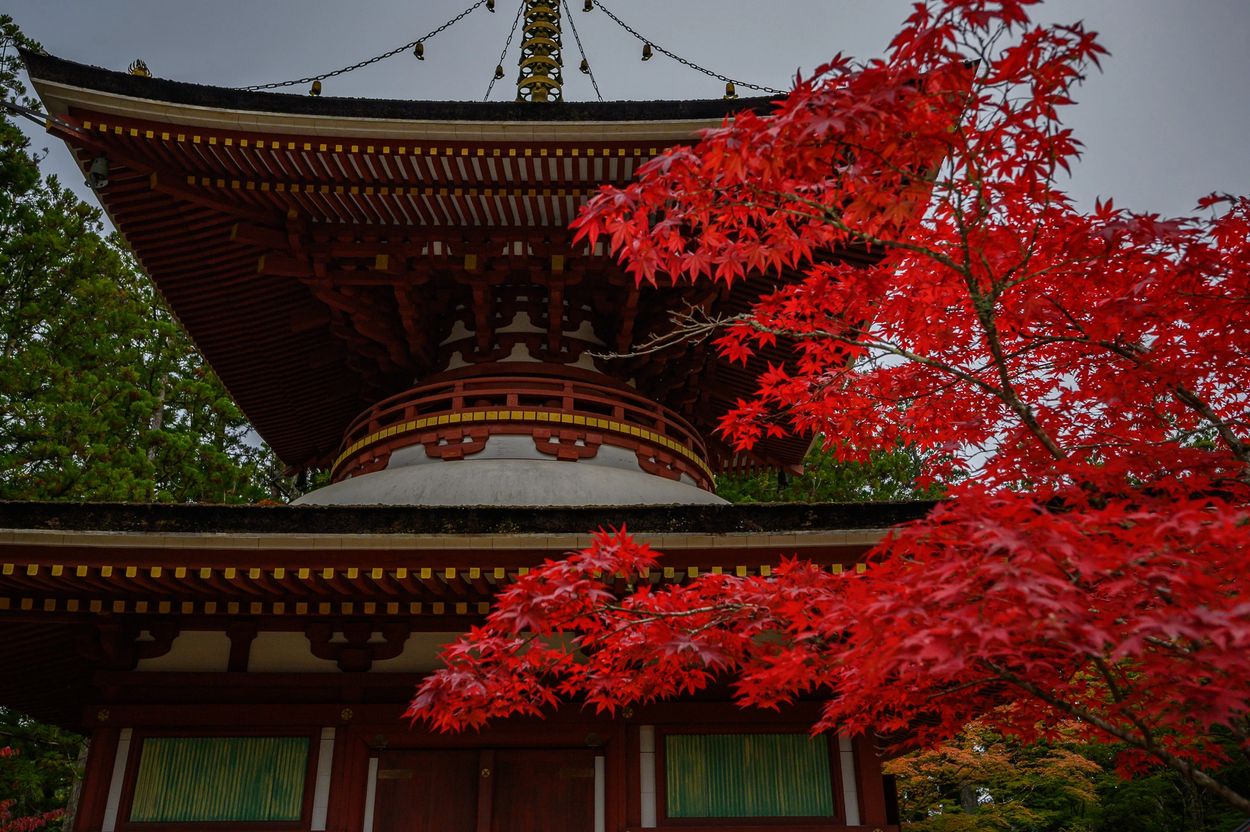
(506, 44)
(681, 60)
(368, 61)
(589, 69)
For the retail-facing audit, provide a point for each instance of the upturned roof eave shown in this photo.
(62, 83)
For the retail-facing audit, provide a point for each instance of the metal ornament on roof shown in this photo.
(540, 78)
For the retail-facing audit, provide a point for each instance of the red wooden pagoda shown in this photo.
(388, 289)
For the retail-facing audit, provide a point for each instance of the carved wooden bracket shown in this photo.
(659, 463)
(454, 443)
(356, 652)
(563, 444)
(241, 635)
(116, 645)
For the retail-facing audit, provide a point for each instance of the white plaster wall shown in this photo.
(193, 651)
(509, 482)
(286, 653)
(420, 654)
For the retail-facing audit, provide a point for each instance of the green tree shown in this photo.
(38, 764)
(886, 476)
(1163, 801)
(102, 395)
(983, 782)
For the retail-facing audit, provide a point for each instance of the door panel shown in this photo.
(543, 790)
(426, 791)
(484, 790)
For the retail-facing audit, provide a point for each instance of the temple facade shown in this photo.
(389, 290)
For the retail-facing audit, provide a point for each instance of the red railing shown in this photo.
(526, 393)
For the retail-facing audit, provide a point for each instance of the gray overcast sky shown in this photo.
(1167, 121)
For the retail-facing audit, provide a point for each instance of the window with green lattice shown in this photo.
(747, 776)
(220, 779)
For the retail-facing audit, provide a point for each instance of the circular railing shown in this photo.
(504, 402)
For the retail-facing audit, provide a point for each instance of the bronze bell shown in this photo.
(419, 51)
(730, 91)
(490, 5)
(498, 71)
(589, 7)
(316, 88)
(646, 52)
(584, 66)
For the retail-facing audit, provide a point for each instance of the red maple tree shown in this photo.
(1087, 371)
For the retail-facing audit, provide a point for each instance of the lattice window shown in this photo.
(747, 776)
(220, 779)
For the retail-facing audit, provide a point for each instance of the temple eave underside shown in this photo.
(322, 263)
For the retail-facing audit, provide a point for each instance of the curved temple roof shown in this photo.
(317, 248)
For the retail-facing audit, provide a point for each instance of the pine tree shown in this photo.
(102, 395)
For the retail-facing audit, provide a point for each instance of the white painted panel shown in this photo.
(193, 651)
(850, 794)
(646, 771)
(646, 739)
(114, 801)
(370, 795)
(286, 653)
(321, 787)
(601, 801)
(420, 653)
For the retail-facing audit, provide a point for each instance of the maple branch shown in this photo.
(692, 329)
(1146, 743)
(687, 329)
(660, 615)
(983, 307)
(1136, 355)
(1170, 645)
(831, 216)
(1119, 697)
(1186, 397)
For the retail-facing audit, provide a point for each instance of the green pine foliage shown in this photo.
(886, 476)
(102, 395)
(38, 764)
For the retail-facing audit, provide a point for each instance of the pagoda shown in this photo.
(389, 290)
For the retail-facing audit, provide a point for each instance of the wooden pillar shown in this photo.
(97, 776)
(869, 782)
(616, 775)
(348, 781)
(633, 781)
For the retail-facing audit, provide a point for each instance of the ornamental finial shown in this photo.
(540, 78)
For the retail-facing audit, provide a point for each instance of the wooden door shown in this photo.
(543, 790)
(426, 791)
(499, 790)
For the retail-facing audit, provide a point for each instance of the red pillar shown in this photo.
(97, 776)
(868, 782)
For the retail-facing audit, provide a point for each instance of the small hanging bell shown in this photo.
(646, 52)
(498, 71)
(730, 91)
(589, 6)
(316, 88)
(490, 5)
(419, 51)
(584, 67)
